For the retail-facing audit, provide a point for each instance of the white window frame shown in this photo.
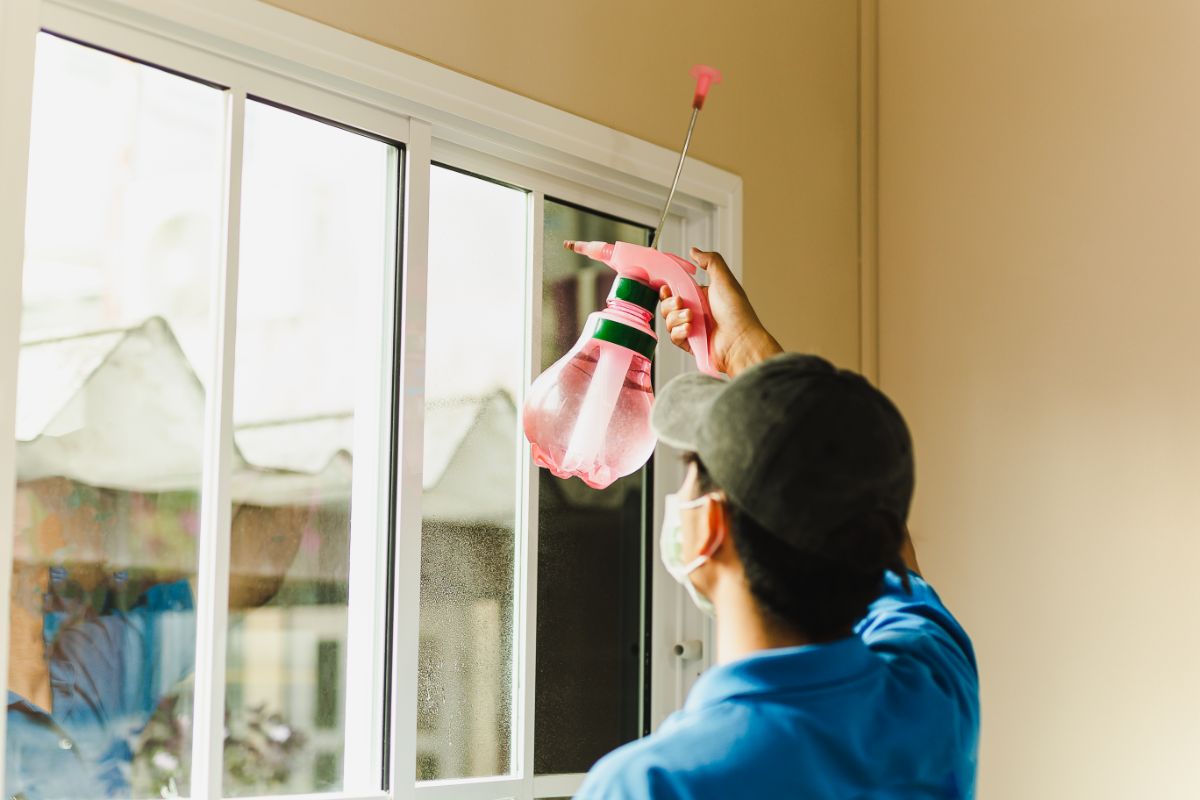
(438, 115)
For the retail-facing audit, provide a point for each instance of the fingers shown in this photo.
(679, 337)
(678, 321)
(674, 312)
(669, 303)
(677, 318)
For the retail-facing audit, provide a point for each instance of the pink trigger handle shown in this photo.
(656, 268)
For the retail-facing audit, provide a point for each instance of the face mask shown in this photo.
(671, 549)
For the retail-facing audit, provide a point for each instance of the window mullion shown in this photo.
(527, 507)
(369, 520)
(673, 618)
(410, 474)
(212, 595)
(18, 32)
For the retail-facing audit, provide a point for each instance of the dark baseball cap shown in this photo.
(799, 445)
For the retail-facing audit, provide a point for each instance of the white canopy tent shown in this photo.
(123, 409)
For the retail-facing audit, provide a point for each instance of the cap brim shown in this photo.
(682, 407)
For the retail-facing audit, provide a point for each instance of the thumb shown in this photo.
(713, 263)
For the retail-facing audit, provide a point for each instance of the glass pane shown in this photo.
(591, 544)
(121, 253)
(474, 358)
(317, 237)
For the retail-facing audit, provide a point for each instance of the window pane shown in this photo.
(121, 253)
(590, 543)
(474, 358)
(317, 235)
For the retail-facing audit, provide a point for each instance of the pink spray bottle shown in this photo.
(588, 415)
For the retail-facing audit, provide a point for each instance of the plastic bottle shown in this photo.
(588, 415)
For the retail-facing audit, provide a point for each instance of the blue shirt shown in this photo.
(892, 712)
(107, 675)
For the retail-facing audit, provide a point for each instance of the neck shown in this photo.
(28, 669)
(742, 628)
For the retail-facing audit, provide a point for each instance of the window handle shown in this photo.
(689, 649)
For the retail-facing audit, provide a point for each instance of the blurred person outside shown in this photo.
(94, 648)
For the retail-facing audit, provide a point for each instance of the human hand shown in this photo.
(263, 544)
(738, 338)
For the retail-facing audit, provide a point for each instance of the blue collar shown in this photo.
(17, 701)
(808, 667)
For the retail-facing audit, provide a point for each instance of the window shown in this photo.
(121, 249)
(318, 237)
(473, 367)
(280, 300)
(592, 554)
(117, 326)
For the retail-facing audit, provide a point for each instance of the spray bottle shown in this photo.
(588, 415)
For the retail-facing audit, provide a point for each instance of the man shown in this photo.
(94, 651)
(839, 672)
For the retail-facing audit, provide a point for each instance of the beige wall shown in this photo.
(1040, 322)
(785, 119)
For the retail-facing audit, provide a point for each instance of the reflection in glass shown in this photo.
(123, 200)
(474, 357)
(315, 237)
(590, 543)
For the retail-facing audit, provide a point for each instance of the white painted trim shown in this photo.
(370, 521)
(676, 618)
(558, 785)
(326, 796)
(527, 518)
(406, 599)
(18, 29)
(154, 47)
(461, 109)
(503, 788)
(868, 188)
(728, 236)
(550, 185)
(141, 44)
(212, 600)
(668, 601)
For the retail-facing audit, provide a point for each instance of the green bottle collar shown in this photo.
(635, 292)
(626, 336)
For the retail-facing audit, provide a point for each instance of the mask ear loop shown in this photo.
(704, 558)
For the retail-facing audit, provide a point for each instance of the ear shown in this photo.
(716, 528)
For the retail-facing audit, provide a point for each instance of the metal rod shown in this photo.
(675, 181)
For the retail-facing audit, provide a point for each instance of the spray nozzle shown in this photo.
(706, 77)
(597, 251)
